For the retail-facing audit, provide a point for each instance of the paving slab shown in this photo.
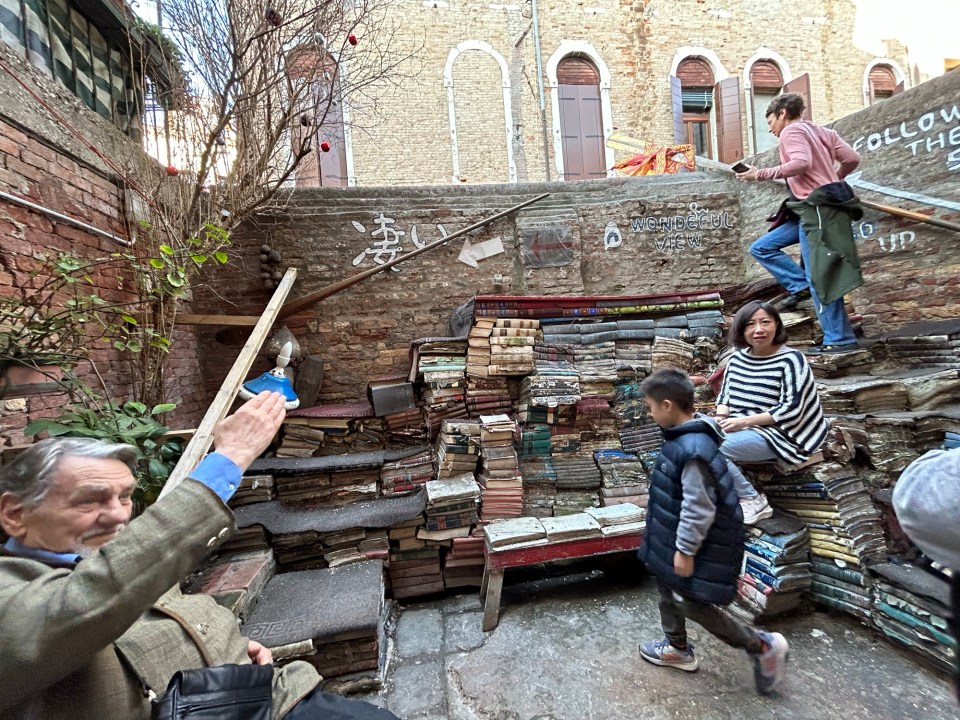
(566, 649)
(420, 691)
(419, 632)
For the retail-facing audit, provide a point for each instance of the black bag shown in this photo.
(782, 216)
(226, 692)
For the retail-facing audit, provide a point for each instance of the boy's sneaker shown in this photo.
(755, 508)
(770, 665)
(661, 652)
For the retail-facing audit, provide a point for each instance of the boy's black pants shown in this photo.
(675, 610)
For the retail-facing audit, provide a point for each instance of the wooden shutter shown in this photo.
(898, 88)
(577, 71)
(676, 102)
(726, 98)
(882, 80)
(765, 75)
(801, 86)
(695, 72)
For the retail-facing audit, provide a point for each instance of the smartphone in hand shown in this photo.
(740, 167)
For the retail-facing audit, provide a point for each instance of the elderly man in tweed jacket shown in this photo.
(89, 624)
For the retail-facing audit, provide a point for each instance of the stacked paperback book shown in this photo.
(451, 507)
(458, 448)
(499, 476)
(406, 474)
(621, 519)
(593, 524)
(441, 364)
(414, 568)
(776, 566)
(623, 478)
(845, 531)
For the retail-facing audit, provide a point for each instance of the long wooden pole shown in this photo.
(203, 437)
(315, 297)
(709, 164)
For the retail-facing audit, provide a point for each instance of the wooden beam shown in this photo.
(218, 320)
(203, 437)
(313, 298)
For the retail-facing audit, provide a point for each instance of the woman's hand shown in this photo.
(748, 176)
(732, 425)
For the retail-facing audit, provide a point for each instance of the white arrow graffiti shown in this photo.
(855, 179)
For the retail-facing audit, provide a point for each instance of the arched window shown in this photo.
(766, 82)
(581, 119)
(696, 91)
(881, 83)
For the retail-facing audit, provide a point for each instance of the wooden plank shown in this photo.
(801, 86)
(203, 438)
(491, 599)
(726, 95)
(676, 107)
(561, 551)
(313, 298)
(221, 320)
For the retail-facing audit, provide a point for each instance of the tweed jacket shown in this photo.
(91, 641)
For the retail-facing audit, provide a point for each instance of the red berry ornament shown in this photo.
(352, 39)
(325, 146)
(172, 171)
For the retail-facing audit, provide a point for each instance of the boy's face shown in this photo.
(663, 412)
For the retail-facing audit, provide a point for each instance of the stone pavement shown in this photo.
(566, 649)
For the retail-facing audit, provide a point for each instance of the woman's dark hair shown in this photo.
(740, 320)
(670, 384)
(791, 102)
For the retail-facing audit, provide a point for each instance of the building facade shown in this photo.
(531, 91)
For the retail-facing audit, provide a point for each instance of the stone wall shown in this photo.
(627, 236)
(43, 161)
(489, 48)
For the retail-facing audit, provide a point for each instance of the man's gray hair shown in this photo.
(33, 472)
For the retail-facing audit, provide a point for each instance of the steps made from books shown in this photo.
(235, 581)
(668, 353)
(598, 306)
(458, 448)
(451, 507)
(925, 351)
(440, 364)
(861, 394)
(911, 605)
(406, 474)
(328, 429)
(253, 489)
(322, 537)
(776, 567)
(463, 564)
(332, 619)
(553, 383)
(499, 474)
(501, 347)
(488, 396)
(620, 519)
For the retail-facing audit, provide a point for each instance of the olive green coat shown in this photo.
(89, 641)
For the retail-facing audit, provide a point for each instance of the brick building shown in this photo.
(522, 91)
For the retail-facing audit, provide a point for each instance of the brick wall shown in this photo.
(636, 42)
(43, 162)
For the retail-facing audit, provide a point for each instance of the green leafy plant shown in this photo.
(131, 423)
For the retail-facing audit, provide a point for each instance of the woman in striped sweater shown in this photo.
(768, 405)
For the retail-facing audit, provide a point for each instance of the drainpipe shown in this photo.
(64, 218)
(543, 112)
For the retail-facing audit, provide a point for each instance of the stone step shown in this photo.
(236, 581)
(333, 619)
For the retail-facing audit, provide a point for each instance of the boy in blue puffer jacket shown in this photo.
(694, 539)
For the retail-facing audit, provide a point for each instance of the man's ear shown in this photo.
(11, 515)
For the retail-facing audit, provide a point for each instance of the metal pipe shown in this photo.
(543, 112)
(64, 218)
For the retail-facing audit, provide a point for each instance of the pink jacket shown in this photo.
(808, 157)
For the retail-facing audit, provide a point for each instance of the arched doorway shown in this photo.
(581, 119)
(322, 120)
(882, 83)
(766, 82)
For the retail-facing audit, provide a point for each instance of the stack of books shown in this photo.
(406, 474)
(414, 568)
(440, 363)
(478, 350)
(344, 426)
(406, 427)
(458, 447)
(298, 550)
(669, 353)
(253, 489)
(539, 485)
(843, 587)
(512, 354)
(523, 531)
(622, 519)
(576, 473)
(912, 606)
(342, 547)
(623, 478)
(862, 394)
(299, 439)
(597, 425)
(553, 383)
(534, 440)
(776, 570)
(706, 323)
(642, 440)
(488, 396)
(463, 564)
(499, 476)
(451, 507)
(844, 526)
(574, 526)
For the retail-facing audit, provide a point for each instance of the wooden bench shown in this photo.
(499, 559)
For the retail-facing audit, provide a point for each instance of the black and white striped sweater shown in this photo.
(782, 385)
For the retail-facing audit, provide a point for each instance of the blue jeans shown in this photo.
(745, 446)
(768, 251)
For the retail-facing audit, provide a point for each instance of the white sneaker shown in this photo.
(755, 508)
